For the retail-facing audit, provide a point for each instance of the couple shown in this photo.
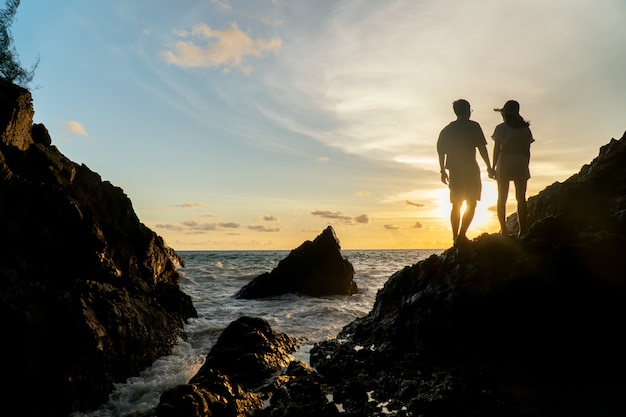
(456, 147)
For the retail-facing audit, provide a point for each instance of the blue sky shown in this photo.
(255, 124)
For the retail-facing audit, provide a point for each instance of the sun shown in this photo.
(485, 218)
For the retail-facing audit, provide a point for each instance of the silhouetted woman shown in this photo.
(511, 156)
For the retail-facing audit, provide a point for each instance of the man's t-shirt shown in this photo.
(459, 141)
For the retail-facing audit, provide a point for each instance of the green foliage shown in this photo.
(10, 67)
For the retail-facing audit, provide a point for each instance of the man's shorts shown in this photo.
(465, 186)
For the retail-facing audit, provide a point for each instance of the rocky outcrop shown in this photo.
(314, 268)
(240, 373)
(528, 327)
(88, 294)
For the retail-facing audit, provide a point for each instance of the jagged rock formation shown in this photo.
(88, 294)
(529, 327)
(314, 268)
(240, 372)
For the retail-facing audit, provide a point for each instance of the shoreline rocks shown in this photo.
(240, 373)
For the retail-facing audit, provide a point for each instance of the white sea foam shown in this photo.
(211, 278)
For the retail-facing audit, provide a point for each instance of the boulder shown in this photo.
(240, 373)
(314, 268)
(502, 326)
(89, 296)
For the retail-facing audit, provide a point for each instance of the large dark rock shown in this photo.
(89, 296)
(240, 372)
(502, 327)
(314, 268)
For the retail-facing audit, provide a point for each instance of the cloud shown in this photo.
(363, 218)
(362, 193)
(189, 205)
(227, 48)
(333, 215)
(340, 216)
(193, 227)
(224, 6)
(417, 225)
(75, 128)
(391, 227)
(410, 203)
(172, 227)
(261, 228)
(270, 218)
(229, 225)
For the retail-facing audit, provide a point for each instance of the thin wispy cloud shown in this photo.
(332, 215)
(341, 217)
(222, 5)
(261, 228)
(270, 218)
(204, 47)
(194, 227)
(411, 203)
(75, 128)
(189, 205)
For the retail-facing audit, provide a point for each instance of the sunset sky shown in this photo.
(255, 124)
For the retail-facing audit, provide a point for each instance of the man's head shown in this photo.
(461, 109)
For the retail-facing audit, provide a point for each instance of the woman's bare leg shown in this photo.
(503, 194)
(522, 208)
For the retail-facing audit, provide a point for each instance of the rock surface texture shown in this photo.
(88, 294)
(240, 373)
(314, 268)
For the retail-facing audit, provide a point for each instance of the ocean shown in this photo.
(211, 278)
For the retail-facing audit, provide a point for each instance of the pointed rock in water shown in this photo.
(315, 268)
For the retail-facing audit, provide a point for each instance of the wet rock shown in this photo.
(302, 395)
(89, 296)
(240, 373)
(249, 351)
(314, 268)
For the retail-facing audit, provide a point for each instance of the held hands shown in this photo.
(491, 172)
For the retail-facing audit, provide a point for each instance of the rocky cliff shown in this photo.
(88, 294)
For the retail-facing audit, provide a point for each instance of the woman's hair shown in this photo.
(514, 120)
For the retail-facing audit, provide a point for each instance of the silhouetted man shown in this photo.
(456, 147)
